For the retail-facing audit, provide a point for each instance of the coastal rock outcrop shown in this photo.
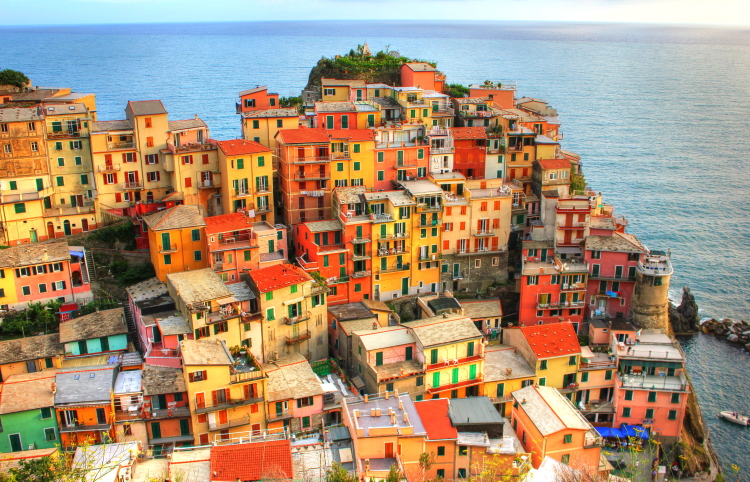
(684, 318)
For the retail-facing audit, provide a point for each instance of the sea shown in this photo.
(659, 113)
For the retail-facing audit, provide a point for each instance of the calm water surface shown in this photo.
(659, 114)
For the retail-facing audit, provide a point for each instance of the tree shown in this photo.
(337, 473)
(13, 77)
(394, 475)
(52, 468)
(457, 90)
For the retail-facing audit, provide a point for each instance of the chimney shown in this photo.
(54, 388)
(387, 396)
(373, 412)
(374, 325)
(523, 402)
(508, 371)
(400, 404)
(196, 116)
(393, 419)
(377, 412)
(367, 398)
(45, 256)
(406, 418)
(395, 392)
(445, 315)
(356, 414)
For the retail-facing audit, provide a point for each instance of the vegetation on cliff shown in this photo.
(381, 67)
(13, 77)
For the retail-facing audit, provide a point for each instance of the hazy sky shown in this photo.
(714, 12)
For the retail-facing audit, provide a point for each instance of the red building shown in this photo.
(552, 289)
(470, 153)
(422, 75)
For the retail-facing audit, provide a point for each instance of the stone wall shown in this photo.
(472, 278)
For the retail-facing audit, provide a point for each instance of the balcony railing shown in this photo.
(430, 257)
(262, 188)
(310, 176)
(214, 425)
(85, 427)
(240, 239)
(430, 223)
(340, 155)
(134, 185)
(243, 192)
(207, 184)
(276, 416)
(167, 248)
(571, 225)
(479, 378)
(263, 208)
(109, 168)
(170, 412)
(241, 377)
(484, 232)
(558, 305)
(311, 160)
(360, 240)
(429, 208)
(481, 250)
(393, 251)
(394, 236)
(207, 407)
(574, 287)
(405, 164)
(381, 218)
(611, 277)
(360, 274)
(396, 268)
(453, 362)
(298, 338)
(293, 320)
(221, 315)
(111, 146)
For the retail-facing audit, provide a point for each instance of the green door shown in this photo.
(155, 430)
(470, 349)
(105, 343)
(454, 375)
(184, 426)
(165, 241)
(66, 228)
(39, 184)
(82, 348)
(33, 236)
(162, 401)
(279, 408)
(378, 358)
(271, 246)
(404, 286)
(370, 120)
(15, 442)
(456, 270)
(382, 230)
(359, 94)
(618, 271)
(472, 372)
(433, 356)
(544, 255)
(408, 353)
(359, 232)
(435, 379)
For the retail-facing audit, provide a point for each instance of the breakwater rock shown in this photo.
(684, 318)
(733, 331)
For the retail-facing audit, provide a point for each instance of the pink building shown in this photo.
(294, 395)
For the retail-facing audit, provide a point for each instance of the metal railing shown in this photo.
(168, 248)
(109, 168)
(293, 320)
(298, 338)
(132, 185)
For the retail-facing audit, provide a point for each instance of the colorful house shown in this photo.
(99, 332)
(224, 397)
(29, 355)
(505, 371)
(166, 406)
(335, 115)
(84, 405)
(552, 350)
(441, 438)
(294, 399)
(294, 309)
(550, 426)
(176, 240)
(247, 167)
(27, 412)
(422, 74)
(352, 156)
(343, 321)
(500, 93)
(470, 151)
(252, 460)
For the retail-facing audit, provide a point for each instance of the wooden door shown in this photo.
(389, 450)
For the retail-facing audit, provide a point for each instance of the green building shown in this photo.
(99, 332)
(27, 414)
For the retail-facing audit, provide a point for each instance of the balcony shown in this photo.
(132, 186)
(443, 110)
(207, 407)
(483, 232)
(242, 192)
(394, 236)
(559, 306)
(442, 150)
(360, 240)
(278, 416)
(242, 377)
(311, 160)
(158, 350)
(515, 148)
(263, 208)
(241, 240)
(381, 218)
(430, 208)
(360, 257)
(113, 146)
(228, 424)
(85, 428)
(481, 251)
(575, 226)
(361, 274)
(51, 134)
(430, 223)
(222, 315)
(293, 320)
(654, 382)
(430, 257)
(393, 251)
(475, 113)
(574, 287)
(340, 156)
(612, 277)
(191, 147)
(274, 256)
(168, 248)
(109, 168)
(395, 268)
(310, 176)
(405, 165)
(453, 386)
(298, 338)
(331, 247)
(209, 183)
(170, 413)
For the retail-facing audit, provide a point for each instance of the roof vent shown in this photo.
(508, 371)
(92, 375)
(76, 377)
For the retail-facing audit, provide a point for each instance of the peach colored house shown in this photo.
(295, 395)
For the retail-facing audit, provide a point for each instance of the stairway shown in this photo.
(90, 272)
(132, 331)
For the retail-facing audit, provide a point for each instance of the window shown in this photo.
(675, 398)
(329, 91)
(151, 159)
(60, 181)
(629, 395)
(381, 175)
(46, 412)
(652, 397)
(543, 365)
(657, 281)
(532, 280)
(305, 422)
(420, 381)
(608, 375)
(626, 412)
(440, 472)
(269, 296)
(42, 287)
(381, 156)
(153, 176)
(568, 439)
(196, 234)
(463, 450)
(389, 387)
(650, 413)
(270, 315)
(26, 290)
(188, 182)
(197, 255)
(356, 165)
(49, 435)
(84, 178)
(672, 415)
(565, 459)
(573, 359)
(279, 122)
(584, 377)
(542, 382)
(357, 288)
(198, 376)
(167, 259)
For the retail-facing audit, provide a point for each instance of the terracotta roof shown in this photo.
(271, 113)
(291, 377)
(482, 309)
(28, 391)
(460, 133)
(551, 340)
(554, 163)
(30, 348)
(224, 223)
(113, 125)
(198, 285)
(177, 217)
(335, 106)
(278, 276)
(260, 88)
(350, 311)
(94, 325)
(237, 147)
(162, 380)
(178, 125)
(321, 226)
(440, 330)
(175, 196)
(352, 134)
(146, 107)
(437, 423)
(303, 136)
(147, 290)
(30, 254)
(376, 305)
(205, 352)
(252, 461)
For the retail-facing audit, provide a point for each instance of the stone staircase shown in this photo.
(132, 331)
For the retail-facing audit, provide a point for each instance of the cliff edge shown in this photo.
(684, 318)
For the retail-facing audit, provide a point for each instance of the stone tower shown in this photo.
(650, 304)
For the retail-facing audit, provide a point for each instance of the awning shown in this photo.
(650, 364)
(77, 253)
(295, 300)
(586, 352)
(635, 431)
(224, 301)
(610, 432)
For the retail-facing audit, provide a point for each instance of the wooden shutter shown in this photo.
(191, 377)
(215, 397)
(246, 389)
(205, 375)
(118, 197)
(205, 158)
(107, 158)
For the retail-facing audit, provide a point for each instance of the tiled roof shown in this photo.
(30, 348)
(30, 254)
(271, 113)
(198, 285)
(437, 423)
(473, 410)
(385, 337)
(37, 94)
(225, 223)
(554, 164)
(343, 82)
(178, 125)
(614, 243)
(352, 134)
(113, 125)
(376, 305)
(335, 106)
(147, 107)
(194, 464)
(174, 325)
(51, 110)
(259, 88)
(205, 352)
(147, 290)
(94, 325)
(549, 410)
(90, 385)
(19, 115)
(471, 100)
(386, 102)
(252, 461)
(177, 217)
(350, 311)
(497, 361)
(291, 377)
(162, 380)
(278, 276)
(320, 226)
(27, 391)
(551, 340)
(350, 195)
(303, 136)
(241, 291)
(460, 133)
(175, 196)
(439, 330)
(420, 66)
(237, 147)
(632, 239)
(482, 309)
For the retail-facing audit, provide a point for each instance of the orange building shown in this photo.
(176, 239)
(470, 155)
(422, 75)
(84, 405)
(165, 406)
(441, 438)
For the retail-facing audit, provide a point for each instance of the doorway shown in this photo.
(50, 230)
(66, 228)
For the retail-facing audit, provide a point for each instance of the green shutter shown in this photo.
(329, 122)
(433, 357)
(472, 372)
(454, 375)
(379, 358)
(435, 379)
(380, 157)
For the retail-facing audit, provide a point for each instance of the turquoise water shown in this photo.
(659, 114)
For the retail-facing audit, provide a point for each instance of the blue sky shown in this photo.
(36, 12)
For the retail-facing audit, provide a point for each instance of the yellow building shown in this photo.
(450, 347)
(505, 371)
(552, 350)
(226, 400)
(177, 240)
(341, 90)
(8, 294)
(209, 306)
(247, 183)
(352, 157)
(261, 126)
(114, 153)
(294, 309)
(71, 170)
(427, 222)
